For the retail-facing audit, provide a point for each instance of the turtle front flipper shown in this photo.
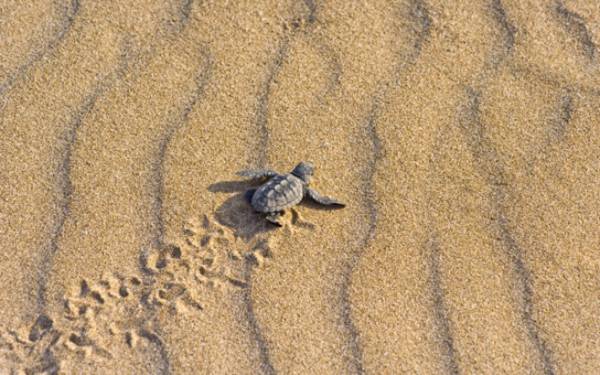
(256, 174)
(321, 199)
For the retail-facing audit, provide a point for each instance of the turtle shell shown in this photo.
(279, 193)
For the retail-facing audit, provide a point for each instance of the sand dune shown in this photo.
(463, 137)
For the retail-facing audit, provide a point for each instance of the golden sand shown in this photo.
(464, 137)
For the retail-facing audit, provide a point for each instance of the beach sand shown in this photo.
(463, 136)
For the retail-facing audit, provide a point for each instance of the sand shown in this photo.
(463, 136)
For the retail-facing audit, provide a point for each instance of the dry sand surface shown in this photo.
(464, 137)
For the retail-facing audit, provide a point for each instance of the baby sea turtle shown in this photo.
(283, 191)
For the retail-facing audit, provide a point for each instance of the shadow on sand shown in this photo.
(236, 212)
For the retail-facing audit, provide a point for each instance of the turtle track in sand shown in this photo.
(101, 317)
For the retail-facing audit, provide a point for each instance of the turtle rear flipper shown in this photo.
(256, 174)
(249, 194)
(274, 217)
(321, 199)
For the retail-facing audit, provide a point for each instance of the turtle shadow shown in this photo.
(237, 214)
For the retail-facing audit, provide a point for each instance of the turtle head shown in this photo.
(304, 171)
